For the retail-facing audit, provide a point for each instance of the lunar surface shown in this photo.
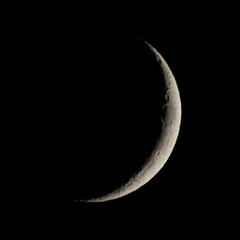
(165, 143)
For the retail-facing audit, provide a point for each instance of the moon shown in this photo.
(165, 143)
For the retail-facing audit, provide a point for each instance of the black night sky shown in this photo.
(115, 108)
(87, 100)
(107, 113)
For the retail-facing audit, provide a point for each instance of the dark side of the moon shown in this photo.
(113, 112)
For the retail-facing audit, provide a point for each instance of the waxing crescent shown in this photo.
(165, 143)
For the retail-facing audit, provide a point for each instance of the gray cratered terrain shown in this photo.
(165, 144)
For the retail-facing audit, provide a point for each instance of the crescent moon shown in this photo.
(165, 143)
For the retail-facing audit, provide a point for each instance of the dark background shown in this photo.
(97, 116)
(190, 186)
(190, 190)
